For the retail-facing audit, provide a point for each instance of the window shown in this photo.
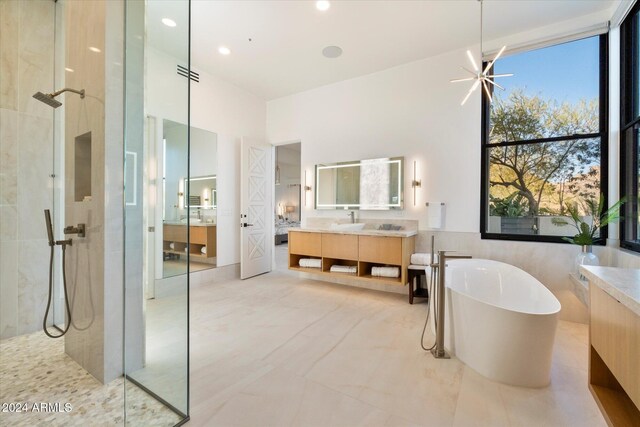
(544, 140)
(630, 129)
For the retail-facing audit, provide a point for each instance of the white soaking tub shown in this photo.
(500, 321)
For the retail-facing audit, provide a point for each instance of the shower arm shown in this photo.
(68, 89)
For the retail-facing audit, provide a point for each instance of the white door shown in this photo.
(255, 208)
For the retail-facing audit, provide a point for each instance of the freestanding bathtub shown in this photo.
(500, 321)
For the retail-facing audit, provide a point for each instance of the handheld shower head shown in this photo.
(48, 98)
(47, 220)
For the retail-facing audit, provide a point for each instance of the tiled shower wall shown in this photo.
(26, 161)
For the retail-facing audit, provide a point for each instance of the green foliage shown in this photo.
(531, 170)
(511, 206)
(594, 209)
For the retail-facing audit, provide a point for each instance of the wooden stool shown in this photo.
(414, 273)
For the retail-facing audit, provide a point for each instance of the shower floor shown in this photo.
(35, 369)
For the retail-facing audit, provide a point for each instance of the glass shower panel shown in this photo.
(156, 304)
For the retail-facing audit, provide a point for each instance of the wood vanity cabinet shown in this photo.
(614, 358)
(309, 244)
(201, 236)
(351, 249)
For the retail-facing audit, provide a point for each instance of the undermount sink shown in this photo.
(348, 227)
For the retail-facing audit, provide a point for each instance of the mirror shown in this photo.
(199, 205)
(202, 193)
(375, 184)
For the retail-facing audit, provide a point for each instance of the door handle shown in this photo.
(245, 224)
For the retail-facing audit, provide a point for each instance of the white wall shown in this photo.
(412, 111)
(219, 107)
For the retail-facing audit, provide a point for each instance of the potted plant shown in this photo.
(587, 229)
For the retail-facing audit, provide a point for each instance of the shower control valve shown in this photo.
(79, 230)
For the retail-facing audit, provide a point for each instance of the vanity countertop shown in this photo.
(623, 284)
(193, 224)
(364, 232)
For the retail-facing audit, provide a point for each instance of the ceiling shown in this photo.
(287, 37)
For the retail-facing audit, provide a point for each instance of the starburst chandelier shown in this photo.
(481, 77)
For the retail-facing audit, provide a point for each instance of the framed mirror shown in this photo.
(202, 193)
(374, 184)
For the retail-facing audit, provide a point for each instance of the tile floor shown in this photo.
(277, 350)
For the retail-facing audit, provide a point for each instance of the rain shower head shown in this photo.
(48, 98)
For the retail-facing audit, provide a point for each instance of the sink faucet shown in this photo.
(439, 352)
(352, 215)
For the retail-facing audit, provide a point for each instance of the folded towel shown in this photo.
(423, 259)
(310, 262)
(349, 269)
(385, 271)
(203, 250)
(435, 214)
(172, 246)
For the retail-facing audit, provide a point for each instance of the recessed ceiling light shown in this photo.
(323, 5)
(224, 50)
(71, 70)
(94, 49)
(169, 22)
(332, 51)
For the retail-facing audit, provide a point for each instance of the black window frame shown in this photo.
(603, 134)
(628, 122)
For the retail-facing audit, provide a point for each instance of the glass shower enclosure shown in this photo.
(87, 155)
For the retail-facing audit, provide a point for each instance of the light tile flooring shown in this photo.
(173, 267)
(278, 350)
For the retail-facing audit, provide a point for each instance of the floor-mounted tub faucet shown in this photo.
(439, 351)
(352, 215)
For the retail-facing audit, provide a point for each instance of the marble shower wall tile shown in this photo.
(33, 282)
(36, 55)
(26, 158)
(9, 37)
(8, 155)
(8, 289)
(8, 221)
(35, 161)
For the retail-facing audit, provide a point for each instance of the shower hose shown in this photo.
(66, 296)
(432, 298)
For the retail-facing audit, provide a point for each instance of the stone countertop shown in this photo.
(623, 284)
(364, 232)
(192, 224)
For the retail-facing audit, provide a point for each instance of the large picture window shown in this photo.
(630, 129)
(544, 140)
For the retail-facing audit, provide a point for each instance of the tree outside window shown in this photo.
(543, 143)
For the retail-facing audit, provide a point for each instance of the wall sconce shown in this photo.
(416, 183)
(307, 188)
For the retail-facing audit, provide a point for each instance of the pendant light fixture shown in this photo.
(481, 77)
(277, 169)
